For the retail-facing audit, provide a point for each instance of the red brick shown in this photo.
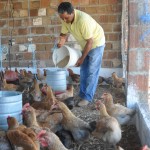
(4, 14)
(15, 23)
(17, 5)
(43, 55)
(90, 10)
(108, 18)
(54, 3)
(38, 39)
(108, 46)
(22, 31)
(147, 61)
(133, 15)
(117, 27)
(27, 56)
(108, 1)
(140, 81)
(105, 55)
(47, 39)
(134, 37)
(2, 23)
(38, 30)
(20, 40)
(107, 27)
(4, 40)
(112, 55)
(35, 4)
(45, 3)
(34, 12)
(84, 2)
(5, 32)
(94, 1)
(2, 6)
(40, 47)
(75, 2)
(114, 36)
(132, 61)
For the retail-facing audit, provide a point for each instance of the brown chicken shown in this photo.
(117, 82)
(10, 75)
(50, 140)
(107, 127)
(79, 129)
(68, 93)
(75, 77)
(36, 93)
(44, 119)
(21, 136)
(47, 102)
(40, 76)
(120, 112)
(9, 87)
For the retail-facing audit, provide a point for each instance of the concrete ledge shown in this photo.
(143, 122)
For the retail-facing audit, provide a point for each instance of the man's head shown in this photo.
(66, 12)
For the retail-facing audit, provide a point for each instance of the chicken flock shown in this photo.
(49, 123)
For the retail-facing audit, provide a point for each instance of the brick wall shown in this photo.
(43, 26)
(139, 52)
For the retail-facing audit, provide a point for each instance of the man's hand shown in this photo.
(62, 40)
(79, 62)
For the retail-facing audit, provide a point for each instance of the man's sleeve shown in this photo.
(64, 29)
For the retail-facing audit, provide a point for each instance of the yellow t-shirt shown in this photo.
(84, 27)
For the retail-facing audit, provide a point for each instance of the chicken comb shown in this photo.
(8, 117)
(145, 147)
(41, 133)
(25, 106)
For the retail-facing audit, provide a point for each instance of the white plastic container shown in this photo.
(61, 53)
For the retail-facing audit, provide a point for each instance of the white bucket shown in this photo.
(71, 54)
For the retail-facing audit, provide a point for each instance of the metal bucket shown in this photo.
(10, 105)
(56, 78)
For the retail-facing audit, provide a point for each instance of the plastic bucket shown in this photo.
(10, 105)
(56, 78)
(66, 56)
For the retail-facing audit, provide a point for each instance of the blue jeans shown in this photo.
(89, 73)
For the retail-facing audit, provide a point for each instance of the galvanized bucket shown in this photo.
(56, 78)
(10, 105)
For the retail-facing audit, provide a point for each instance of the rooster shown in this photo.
(107, 127)
(79, 129)
(120, 112)
(50, 140)
(21, 136)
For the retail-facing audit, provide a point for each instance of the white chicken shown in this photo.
(107, 127)
(120, 112)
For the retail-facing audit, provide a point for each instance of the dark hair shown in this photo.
(65, 7)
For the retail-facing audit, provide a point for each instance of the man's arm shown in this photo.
(62, 40)
(86, 50)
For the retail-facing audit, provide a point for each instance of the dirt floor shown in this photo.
(130, 139)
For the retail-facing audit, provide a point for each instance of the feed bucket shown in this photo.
(66, 56)
(10, 105)
(56, 78)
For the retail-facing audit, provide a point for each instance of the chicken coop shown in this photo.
(29, 77)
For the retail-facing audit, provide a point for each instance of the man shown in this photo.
(91, 38)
